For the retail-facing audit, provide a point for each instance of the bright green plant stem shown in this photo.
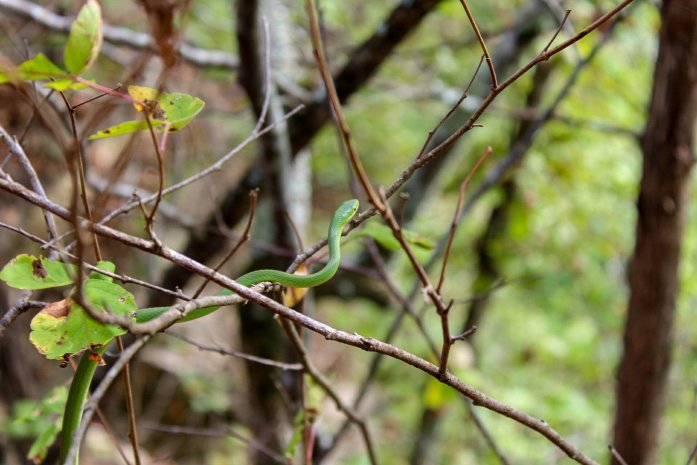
(341, 216)
(79, 388)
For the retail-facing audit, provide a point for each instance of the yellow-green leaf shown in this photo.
(85, 38)
(65, 84)
(40, 68)
(126, 127)
(167, 111)
(63, 329)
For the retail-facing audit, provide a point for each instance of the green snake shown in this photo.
(341, 216)
(85, 371)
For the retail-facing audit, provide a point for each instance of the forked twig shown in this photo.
(489, 62)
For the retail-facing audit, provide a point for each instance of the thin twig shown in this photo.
(224, 432)
(616, 455)
(92, 99)
(428, 288)
(451, 111)
(692, 455)
(456, 215)
(391, 286)
(244, 237)
(22, 304)
(160, 173)
(130, 407)
(76, 163)
(318, 51)
(488, 437)
(16, 149)
(465, 334)
(489, 62)
(234, 353)
(561, 26)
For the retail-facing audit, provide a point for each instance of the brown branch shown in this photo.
(16, 149)
(130, 406)
(342, 124)
(451, 111)
(391, 286)
(234, 353)
(21, 305)
(225, 432)
(76, 168)
(150, 218)
(456, 215)
(244, 237)
(428, 288)
(489, 62)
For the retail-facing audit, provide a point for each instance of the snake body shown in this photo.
(341, 217)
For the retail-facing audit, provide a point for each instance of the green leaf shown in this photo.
(382, 234)
(296, 438)
(39, 448)
(28, 272)
(106, 266)
(40, 68)
(65, 84)
(85, 38)
(179, 109)
(64, 329)
(168, 111)
(37, 419)
(127, 127)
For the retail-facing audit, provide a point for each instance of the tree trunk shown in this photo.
(667, 147)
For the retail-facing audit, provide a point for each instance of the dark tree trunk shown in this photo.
(667, 146)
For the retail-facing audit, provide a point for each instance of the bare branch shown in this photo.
(234, 353)
(335, 103)
(487, 57)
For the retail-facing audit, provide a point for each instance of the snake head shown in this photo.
(346, 211)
